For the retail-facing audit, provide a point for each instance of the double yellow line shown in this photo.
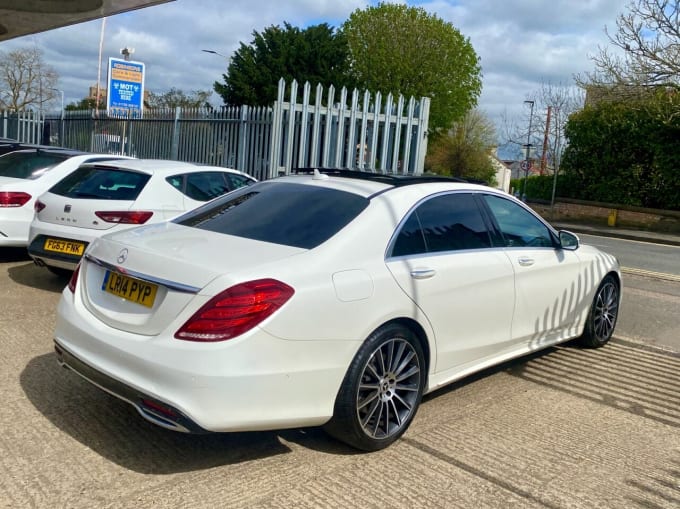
(650, 273)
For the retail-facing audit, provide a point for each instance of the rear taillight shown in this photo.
(236, 310)
(13, 198)
(74, 279)
(125, 216)
(38, 206)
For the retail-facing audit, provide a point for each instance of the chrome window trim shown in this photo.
(172, 285)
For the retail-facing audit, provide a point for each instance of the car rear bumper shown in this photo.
(158, 412)
(13, 227)
(251, 383)
(37, 251)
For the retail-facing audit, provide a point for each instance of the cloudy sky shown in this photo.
(521, 42)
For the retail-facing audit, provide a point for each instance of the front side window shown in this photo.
(279, 212)
(449, 222)
(520, 228)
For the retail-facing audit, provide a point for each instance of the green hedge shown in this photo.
(540, 187)
(622, 152)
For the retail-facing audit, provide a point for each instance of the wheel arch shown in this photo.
(420, 333)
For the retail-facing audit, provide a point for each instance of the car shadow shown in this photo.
(29, 274)
(115, 430)
(13, 254)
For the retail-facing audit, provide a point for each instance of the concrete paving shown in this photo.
(567, 428)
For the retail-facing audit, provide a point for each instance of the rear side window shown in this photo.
(102, 183)
(28, 165)
(236, 181)
(279, 212)
(448, 222)
(204, 186)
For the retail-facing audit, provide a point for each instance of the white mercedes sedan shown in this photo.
(335, 298)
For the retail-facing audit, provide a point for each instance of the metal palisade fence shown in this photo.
(368, 132)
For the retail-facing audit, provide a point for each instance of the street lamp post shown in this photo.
(213, 52)
(61, 130)
(527, 160)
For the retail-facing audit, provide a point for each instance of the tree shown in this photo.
(649, 37)
(175, 97)
(547, 138)
(88, 103)
(404, 50)
(465, 150)
(316, 54)
(26, 81)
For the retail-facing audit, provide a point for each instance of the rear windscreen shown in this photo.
(102, 183)
(27, 165)
(279, 212)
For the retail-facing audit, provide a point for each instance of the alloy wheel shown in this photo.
(389, 388)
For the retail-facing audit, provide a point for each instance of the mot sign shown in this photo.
(126, 87)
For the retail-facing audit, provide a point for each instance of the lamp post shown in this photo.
(527, 161)
(61, 130)
(213, 52)
(62, 99)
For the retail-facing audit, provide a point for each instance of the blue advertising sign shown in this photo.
(126, 87)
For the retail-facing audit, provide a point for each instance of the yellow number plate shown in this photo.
(64, 246)
(130, 288)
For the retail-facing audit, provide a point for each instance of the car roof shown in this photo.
(47, 150)
(369, 184)
(160, 166)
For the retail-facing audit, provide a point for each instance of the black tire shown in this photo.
(58, 271)
(603, 314)
(381, 391)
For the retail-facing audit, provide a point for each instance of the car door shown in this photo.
(442, 257)
(547, 278)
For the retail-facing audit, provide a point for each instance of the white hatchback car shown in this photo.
(333, 299)
(26, 174)
(103, 198)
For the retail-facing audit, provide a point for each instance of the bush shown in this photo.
(623, 153)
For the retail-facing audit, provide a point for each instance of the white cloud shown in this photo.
(520, 42)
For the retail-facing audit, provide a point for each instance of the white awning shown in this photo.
(23, 17)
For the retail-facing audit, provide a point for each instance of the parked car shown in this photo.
(101, 198)
(24, 175)
(333, 299)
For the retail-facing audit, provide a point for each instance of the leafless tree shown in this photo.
(546, 139)
(26, 81)
(648, 42)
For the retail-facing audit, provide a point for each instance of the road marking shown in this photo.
(650, 273)
(623, 239)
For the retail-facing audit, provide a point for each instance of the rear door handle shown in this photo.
(525, 261)
(422, 273)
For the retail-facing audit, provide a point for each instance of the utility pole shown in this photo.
(544, 155)
(527, 161)
(99, 66)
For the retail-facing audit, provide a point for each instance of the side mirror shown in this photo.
(568, 240)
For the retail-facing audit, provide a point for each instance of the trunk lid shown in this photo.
(140, 280)
(79, 212)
